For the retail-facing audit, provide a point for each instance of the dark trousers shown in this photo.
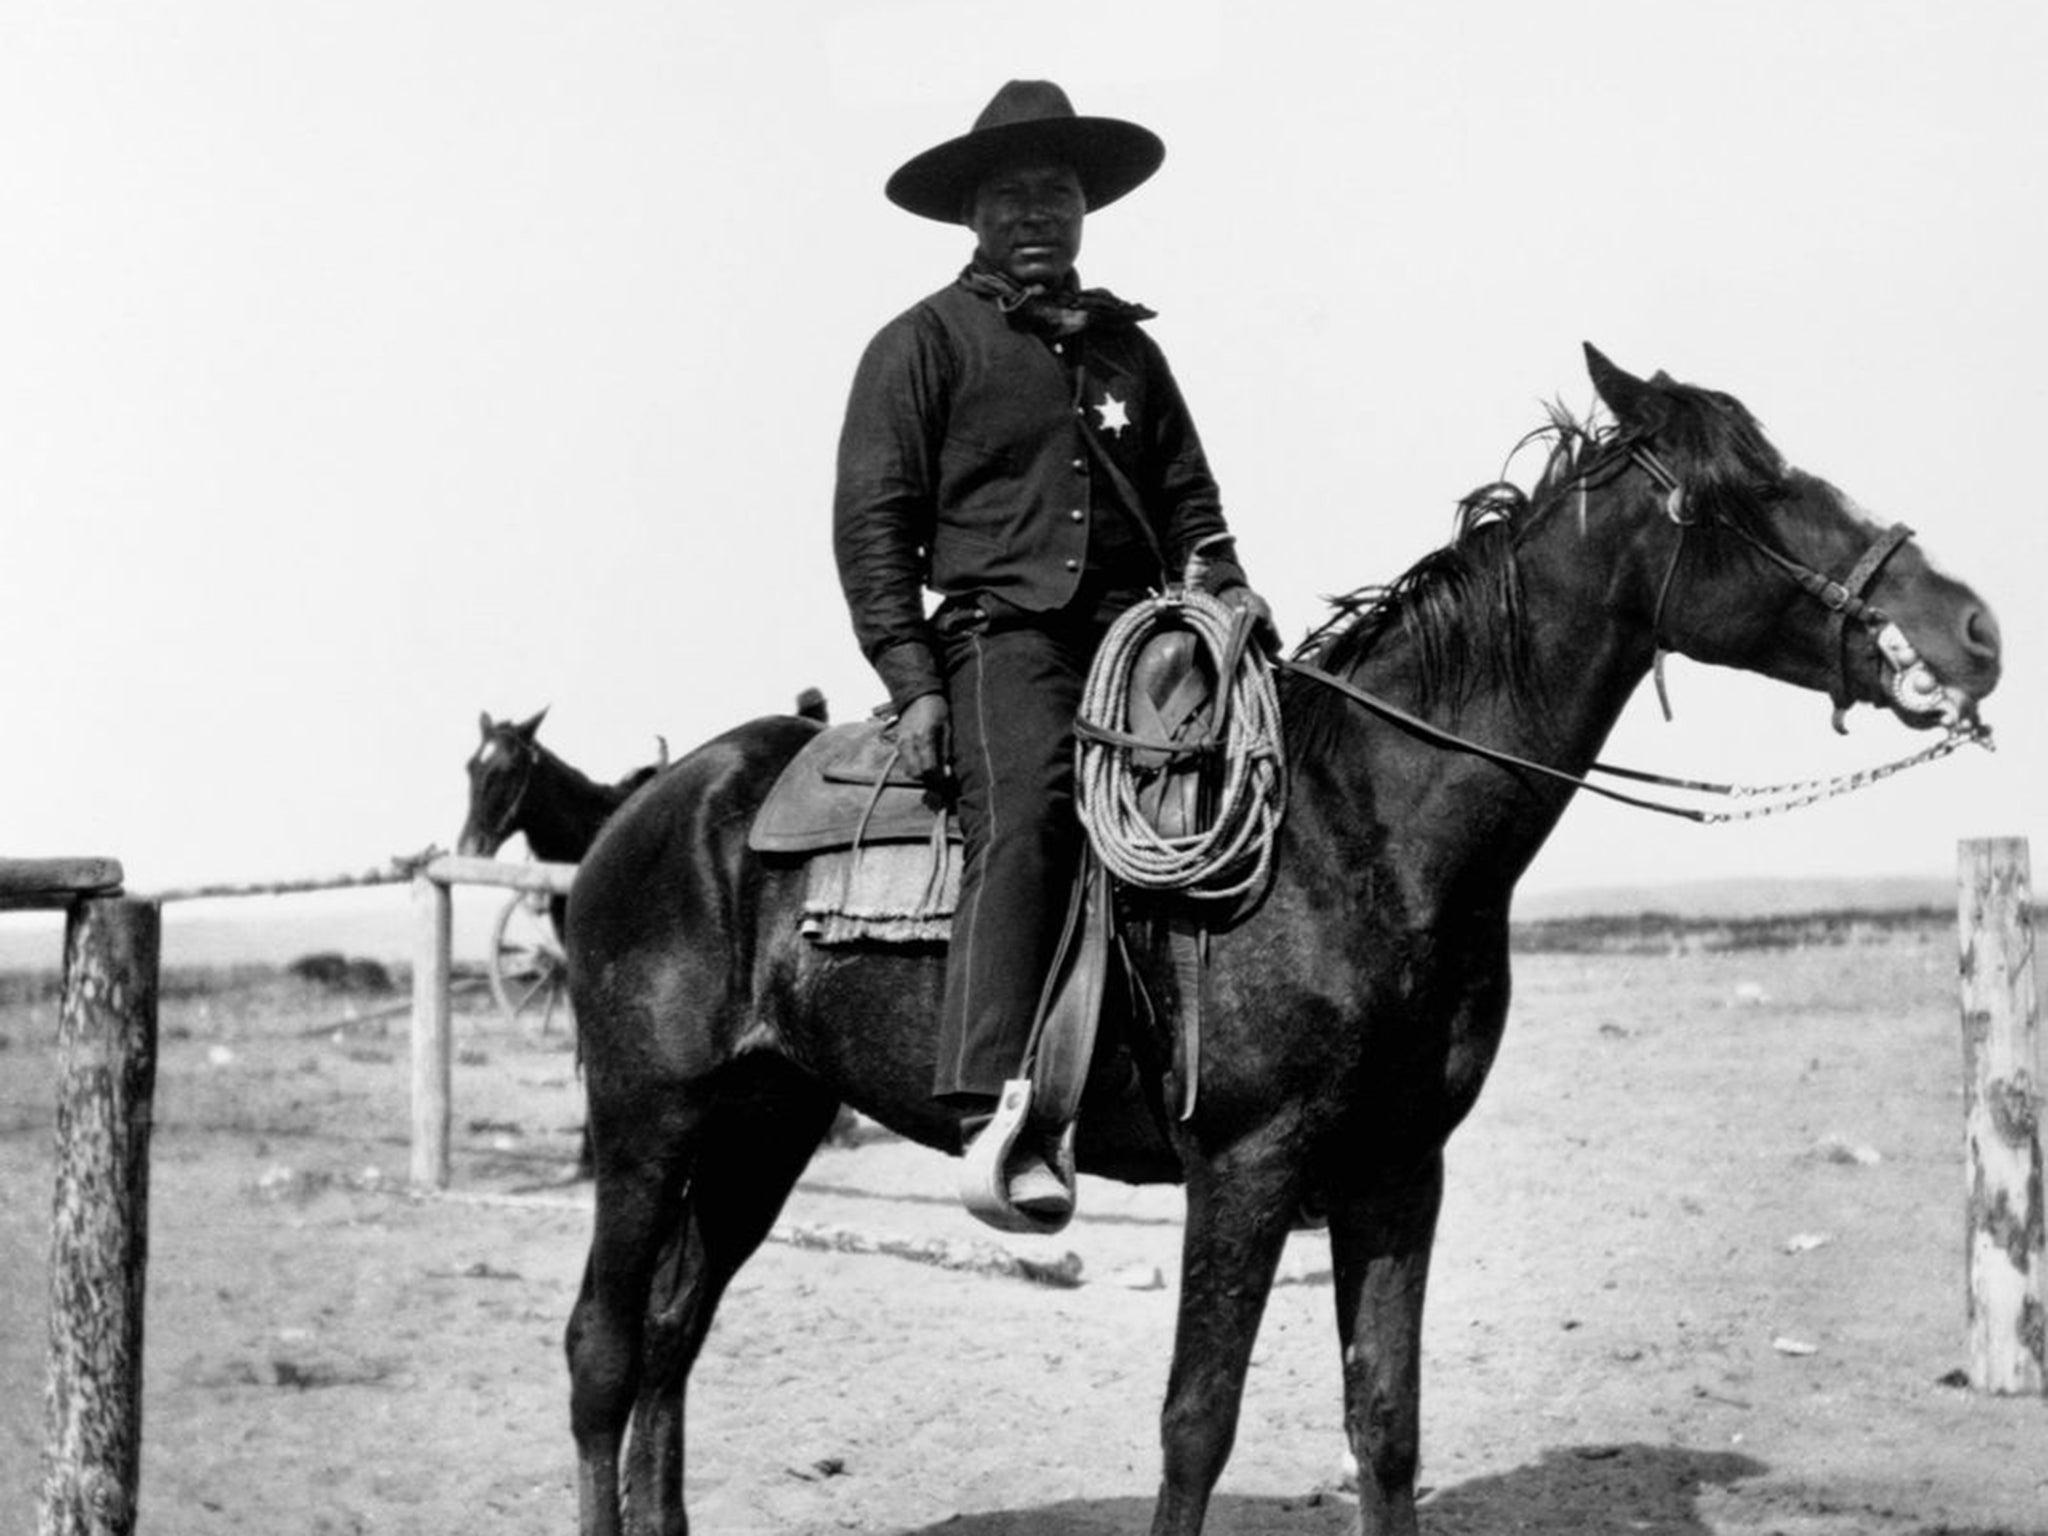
(1013, 684)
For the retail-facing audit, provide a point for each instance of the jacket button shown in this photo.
(1075, 516)
(1073, 565)
(1080, 463)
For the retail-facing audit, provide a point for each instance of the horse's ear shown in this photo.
(483, 723)
(1633, 402)
(661, 761)
(531, 728)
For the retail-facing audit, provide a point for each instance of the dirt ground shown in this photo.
(1699, 1275)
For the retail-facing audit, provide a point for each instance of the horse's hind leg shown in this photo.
(636, 1210)
(1379, 1248)
(747, 1152)
(1239, 1211)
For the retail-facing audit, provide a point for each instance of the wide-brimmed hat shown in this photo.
(1028, 118)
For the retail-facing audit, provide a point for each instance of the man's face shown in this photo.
(1026, 220)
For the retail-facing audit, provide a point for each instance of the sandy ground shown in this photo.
(1699, 1275)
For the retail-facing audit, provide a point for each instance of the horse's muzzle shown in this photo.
(1919, 694)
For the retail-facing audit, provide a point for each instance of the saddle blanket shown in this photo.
(882, 893)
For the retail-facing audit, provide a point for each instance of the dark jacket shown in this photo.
(979, 456)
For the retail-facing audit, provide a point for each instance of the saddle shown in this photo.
(883, 866)
(844, 789)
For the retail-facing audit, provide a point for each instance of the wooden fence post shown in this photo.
(432, 1039)
(2007, 1249)
(99, 1249)
(432, 971)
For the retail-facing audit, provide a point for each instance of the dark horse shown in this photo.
(1349, 1019)
(516, 785)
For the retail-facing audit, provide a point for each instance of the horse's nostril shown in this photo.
(1980, 633)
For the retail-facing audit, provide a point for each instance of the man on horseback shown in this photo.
(1016, 443)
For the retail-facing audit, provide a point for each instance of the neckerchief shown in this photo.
(1049, 313)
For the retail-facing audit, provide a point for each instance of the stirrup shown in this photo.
(984, 1180)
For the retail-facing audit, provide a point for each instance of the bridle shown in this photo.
(527, 757)
(1845, 599)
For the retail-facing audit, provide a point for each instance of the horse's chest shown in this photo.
(1399, 1031)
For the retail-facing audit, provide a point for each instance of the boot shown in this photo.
(1033, 1185)
(1029, 1179)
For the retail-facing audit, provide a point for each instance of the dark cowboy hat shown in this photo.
(1028, 117)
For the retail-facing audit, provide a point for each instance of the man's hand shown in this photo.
(924, 737)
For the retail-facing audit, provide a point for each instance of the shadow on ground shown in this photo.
(1643, 1490)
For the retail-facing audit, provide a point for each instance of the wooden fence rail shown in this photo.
(54, 884)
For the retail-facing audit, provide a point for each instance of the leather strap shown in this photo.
(1187, 943)
(1861, 575)
(1070, 1008)
(1415, 725)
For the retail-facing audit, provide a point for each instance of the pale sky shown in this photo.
(364, 366)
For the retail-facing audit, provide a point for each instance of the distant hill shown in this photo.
(1661, 933)
(1736, 898)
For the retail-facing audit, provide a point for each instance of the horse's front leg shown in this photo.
(1240, 1206)
(1379, 1248)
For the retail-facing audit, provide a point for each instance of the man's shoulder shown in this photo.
(928, 317)
(950, 307)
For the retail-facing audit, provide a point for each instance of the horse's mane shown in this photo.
(1460, 607)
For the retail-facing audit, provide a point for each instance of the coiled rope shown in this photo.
(1244, 782)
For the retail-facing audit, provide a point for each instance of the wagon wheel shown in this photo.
(528, 972)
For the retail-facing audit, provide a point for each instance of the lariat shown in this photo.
(1230, 852)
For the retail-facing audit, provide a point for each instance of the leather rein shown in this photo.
(1845, 599)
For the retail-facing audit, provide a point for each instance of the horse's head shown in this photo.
(1754, 564)
(499, 772)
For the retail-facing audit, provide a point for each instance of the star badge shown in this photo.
(1115, 417)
